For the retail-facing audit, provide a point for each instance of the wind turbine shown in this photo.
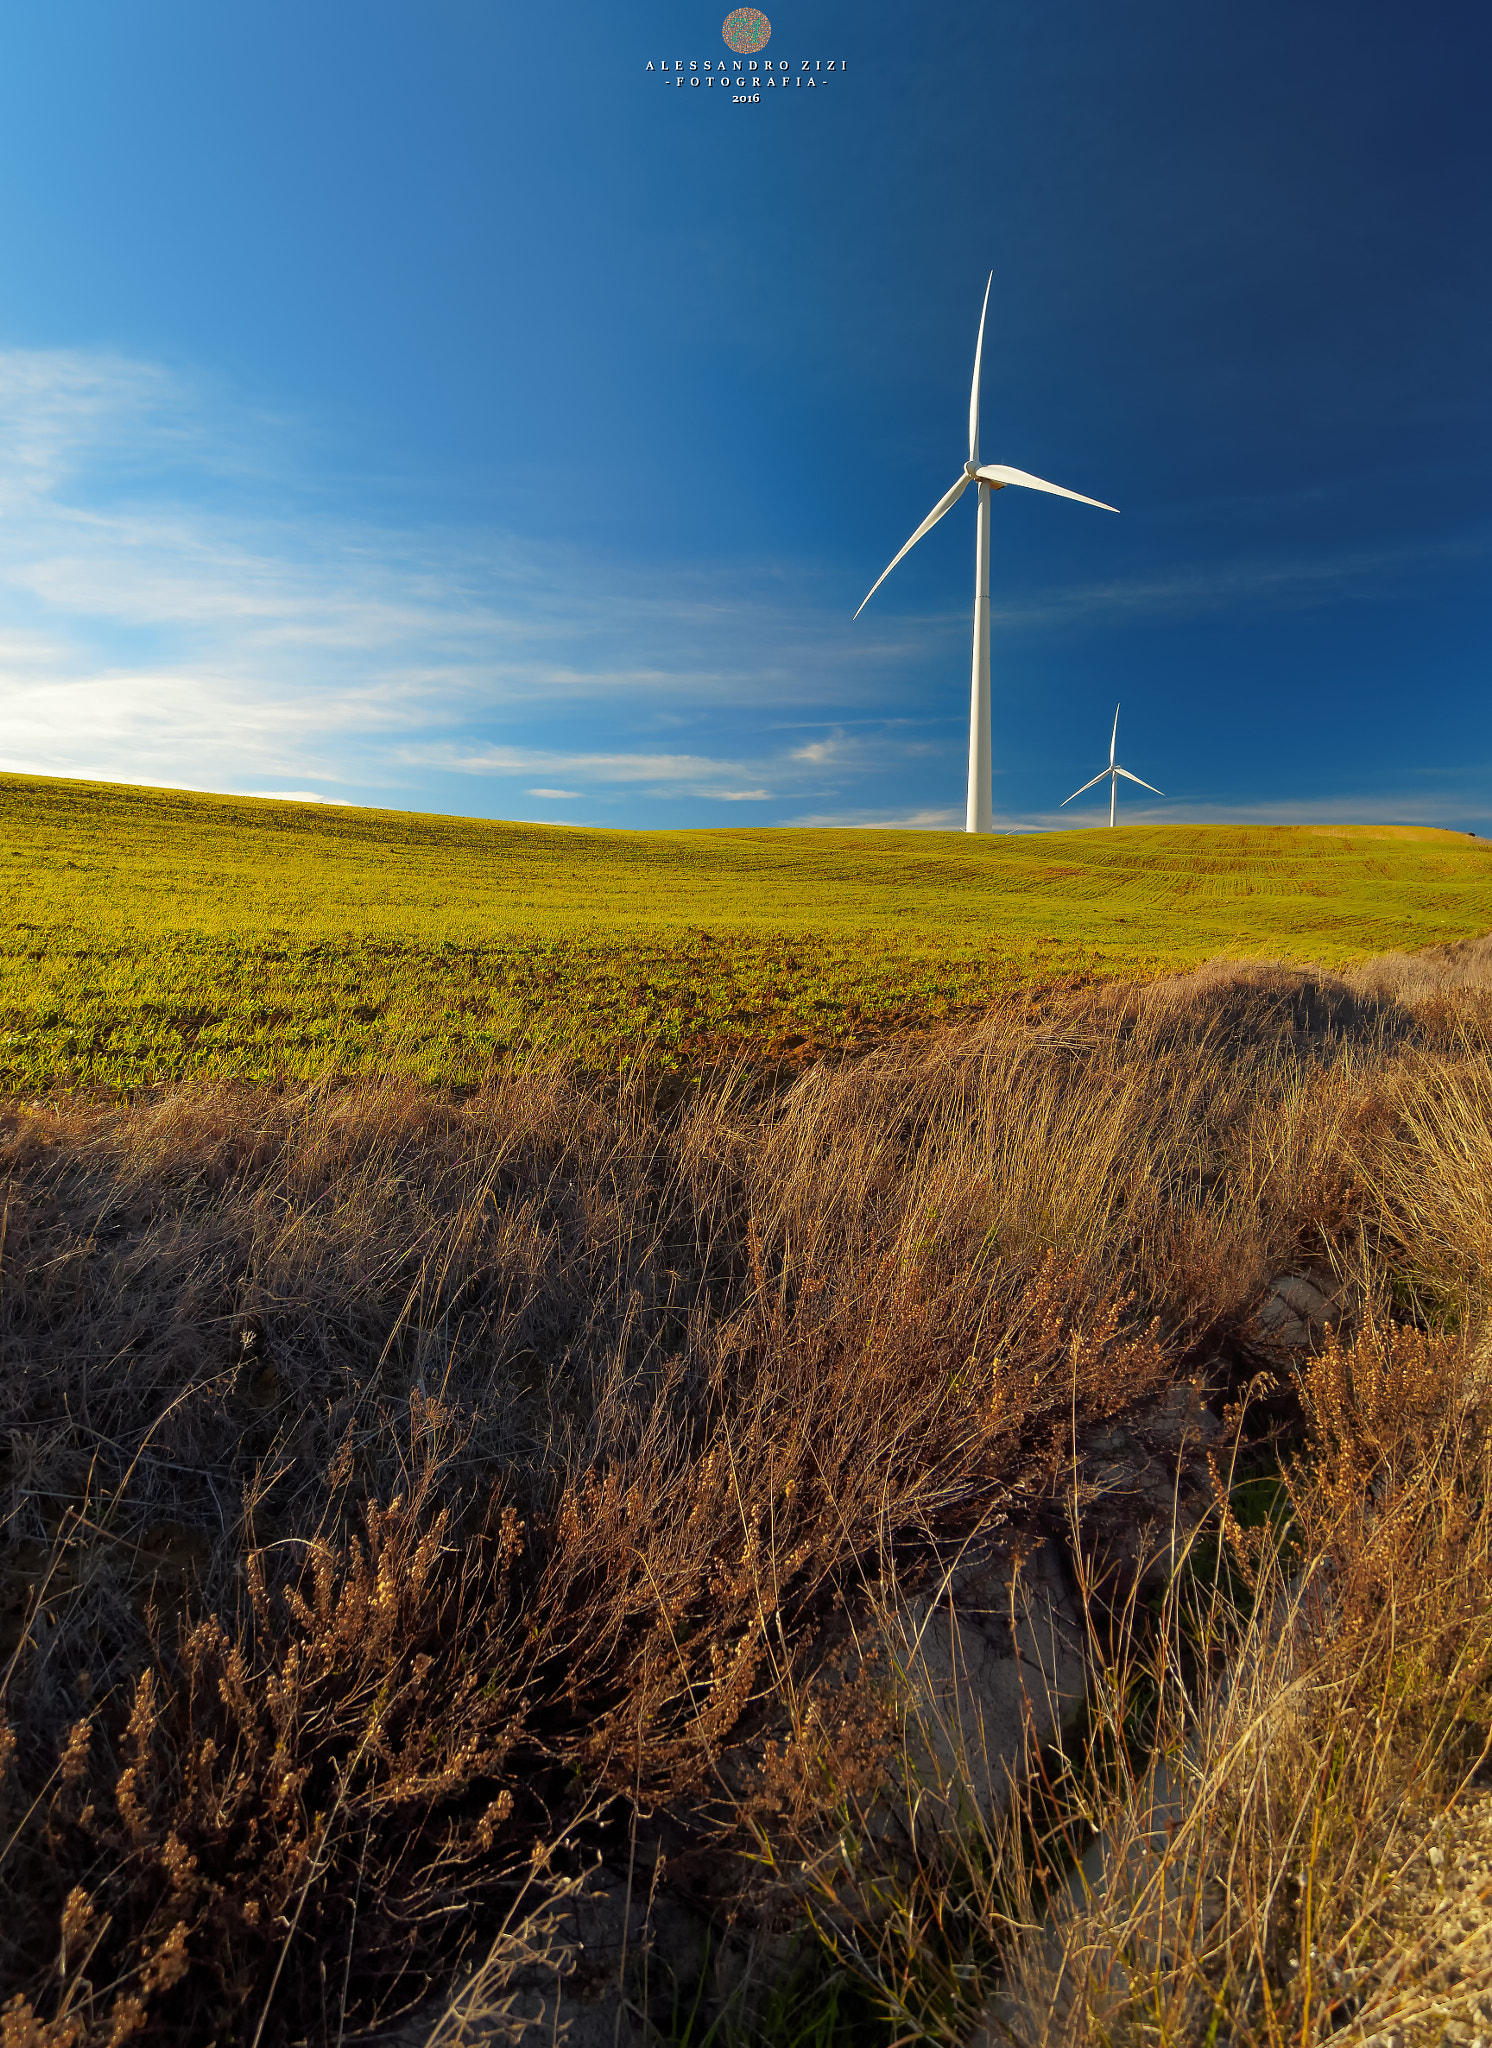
(994, 476)
(1113, 773)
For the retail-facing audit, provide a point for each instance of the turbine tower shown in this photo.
(994, 476)
(1113, 773)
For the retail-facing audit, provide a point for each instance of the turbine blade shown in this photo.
(1135, 778)
(1114, 736)
(944, 504)
(974, 393)
(998, 474)
(1101, 776)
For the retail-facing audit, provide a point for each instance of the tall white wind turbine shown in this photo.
(1112, 774)
(994, 476)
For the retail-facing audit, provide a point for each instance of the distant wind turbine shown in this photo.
(994, 476)
(1112, 773)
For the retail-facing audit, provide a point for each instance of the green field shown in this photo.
(150, 933)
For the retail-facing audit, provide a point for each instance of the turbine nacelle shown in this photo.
(998, 474)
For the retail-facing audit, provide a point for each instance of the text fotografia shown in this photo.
(745, 77)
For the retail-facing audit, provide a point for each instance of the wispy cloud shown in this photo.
(689, 768)
(938, 819)
(1285, 582)
(819, 752)
(1278, 582)
(293, 796)
(1441, 811)
(1403, 806)
(180, 601)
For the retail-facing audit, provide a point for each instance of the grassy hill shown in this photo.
(418, 1505)
(152, 933)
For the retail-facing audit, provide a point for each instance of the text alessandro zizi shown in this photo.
(748, 75)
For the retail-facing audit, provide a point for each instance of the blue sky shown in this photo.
(433, 407)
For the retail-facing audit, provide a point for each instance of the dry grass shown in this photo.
(1266, 1812)
(401, 1488)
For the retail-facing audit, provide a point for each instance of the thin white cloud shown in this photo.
(1403, 807)
(944, 818)
(293, 796)
(1395, 807)
(600, 767)
(1290, 582)
(1280, 583)
(560, 795)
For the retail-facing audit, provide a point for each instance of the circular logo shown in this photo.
(747, 29)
